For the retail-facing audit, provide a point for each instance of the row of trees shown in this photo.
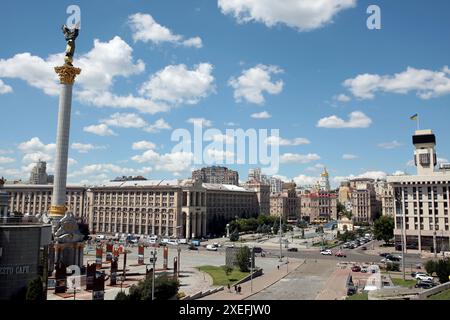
(262, 224)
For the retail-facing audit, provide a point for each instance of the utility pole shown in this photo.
(281, 245)
(153, 259)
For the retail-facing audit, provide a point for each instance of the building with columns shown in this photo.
(422, 201)
(37, 199)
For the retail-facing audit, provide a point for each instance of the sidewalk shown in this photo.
(336, 287)
(259, 283)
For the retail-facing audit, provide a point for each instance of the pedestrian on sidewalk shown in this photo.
(278, 267)
(229, 288)
(239, 289)
(235, 289)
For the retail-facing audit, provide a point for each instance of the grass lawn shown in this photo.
(403, 283)
(219, 276)
(359, 296)
(444, 295)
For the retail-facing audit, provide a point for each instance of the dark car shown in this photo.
(425, 284)
(191, 247)
(393, 258)
(292, 250)
(364, 248)
(384, 255)
(356, 268)
(257, 250)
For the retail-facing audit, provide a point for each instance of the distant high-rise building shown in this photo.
(276, 185)
(39, 173)
(256, 175)
(216, 175)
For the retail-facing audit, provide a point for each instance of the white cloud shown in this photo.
(272, 140)
(146, 29)
(176, 162)
(315, 168)
(101, 130)
(441, 161)
(299, 158)
(4, 88)
(201, 122)
(108, 168)
(376, 175)
(144, 145)
(399, 173)
(6, 160)
(357, 119)
(125, 120)
(390, 145)
(252, 83)
(220, 156)
(426, 83)
(177, 85)
(302, 15)
(303, 180)
(5, 151)
(36, 145)
(349, 157)
(159, 125)
(85, 147)
(342, 98)
(261, 115)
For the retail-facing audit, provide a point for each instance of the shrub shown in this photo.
(393, 266)
(430, 267)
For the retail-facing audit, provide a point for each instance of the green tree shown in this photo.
(228, 270)
(35, 290)
(430, 267)
(443, 270)
(122, 296)
(165, 288)
(243, 258)
(384, 229)
(234, 236)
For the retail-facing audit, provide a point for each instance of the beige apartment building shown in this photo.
(285, 203)
(37, 199)
(364, 203)
(317, 205)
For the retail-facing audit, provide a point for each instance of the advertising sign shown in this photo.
(141, 254)
(166, 258)
(99, 257)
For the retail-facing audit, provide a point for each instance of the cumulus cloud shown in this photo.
(146, 29)
(85, 147)
(390, 145)
(356, 119)
(272, 140)
(6, 160)
(100, 130)
(426, 84)
(107, 168)
(4, 88)
(299, 158)
(176, 162)
(349, 157)
(302, 15)
(261, 115)
(201, 122)
(144, 145)
(176, 84)
(252, 83)
(125, 120)
(159, 125)
(342, 98)
(304, 180)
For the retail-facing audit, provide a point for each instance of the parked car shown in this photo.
(364, 248)
(423, 277)
(356, 269)
(425, 284)
(292, 250)
(172, 243)
(183, 241)
(364, 269)
(384, 255)
(340, 254)
(211, 247)
(326, 252)
(191, 247)
(257, 250)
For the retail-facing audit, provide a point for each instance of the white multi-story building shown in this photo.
(276, 185)
(422, 201)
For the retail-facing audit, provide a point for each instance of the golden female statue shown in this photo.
(70, 35)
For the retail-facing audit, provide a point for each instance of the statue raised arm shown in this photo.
(70, 35)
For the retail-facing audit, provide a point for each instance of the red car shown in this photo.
(340, 254)
(356, 268)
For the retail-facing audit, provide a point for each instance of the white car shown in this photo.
(423, 277)
(326, 252)
(165, 241)
(183, 241)
(211, 247)
(172, 243)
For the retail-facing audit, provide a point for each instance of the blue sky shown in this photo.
(309, 70)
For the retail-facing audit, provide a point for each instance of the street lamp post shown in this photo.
(178, 252)
(252, 253)
(281, 246)
(153, 259)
